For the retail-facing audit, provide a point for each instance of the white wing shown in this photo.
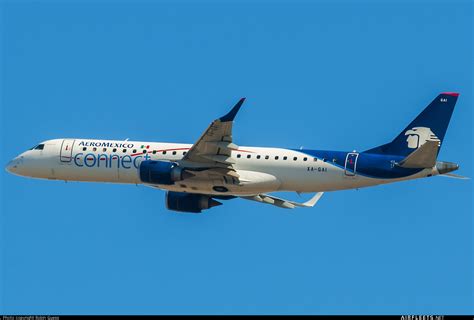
(265, 198)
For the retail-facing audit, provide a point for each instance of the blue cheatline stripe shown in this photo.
(373, 166)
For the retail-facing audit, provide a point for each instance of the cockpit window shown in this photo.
(39, 147)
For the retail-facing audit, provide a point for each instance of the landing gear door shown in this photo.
(351, 164)
(65, 154)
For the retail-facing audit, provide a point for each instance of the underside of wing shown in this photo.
(195, 202)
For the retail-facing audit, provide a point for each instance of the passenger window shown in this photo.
(144, 151)
(315, 159)
(266, 157)
(134, 151)
(295, 158)
(84, 149)
(124, 150)
(249, 156)
(285, 157)
(238, 156)
(114, 150)
(184, 153)
(174, 153)
(154, 151)
(324, 159)
(304, 159)
(164, 151)
(258, 157)
(94, 149)
(276, 157)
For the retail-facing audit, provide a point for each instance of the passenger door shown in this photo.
(65, 154)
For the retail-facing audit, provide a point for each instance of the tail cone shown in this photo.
(445, 167)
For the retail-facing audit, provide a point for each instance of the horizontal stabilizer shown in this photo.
(423, 157)
(454, 176)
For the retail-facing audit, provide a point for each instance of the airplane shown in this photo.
(214, 168)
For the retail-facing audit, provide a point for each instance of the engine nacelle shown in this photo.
(160, 172)
(189, 202)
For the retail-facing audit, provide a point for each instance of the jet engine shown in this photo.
(189, 202)
(160, 172)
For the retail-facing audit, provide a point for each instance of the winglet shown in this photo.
(232, 113)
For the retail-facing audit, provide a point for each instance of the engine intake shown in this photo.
(189, 202)
(160, 172)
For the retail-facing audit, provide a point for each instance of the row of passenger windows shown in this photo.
(134, 151)
(249, 156)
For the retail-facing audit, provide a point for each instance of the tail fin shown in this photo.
(430, 125)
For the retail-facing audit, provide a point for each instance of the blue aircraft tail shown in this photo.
(430, 125)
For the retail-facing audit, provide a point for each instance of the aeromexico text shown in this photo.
(105, 160)
(105, 144)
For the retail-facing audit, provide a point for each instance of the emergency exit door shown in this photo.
(66, 150)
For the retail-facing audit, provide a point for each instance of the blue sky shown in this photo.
(322, 75)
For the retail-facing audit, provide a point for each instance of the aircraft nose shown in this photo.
(12, 166)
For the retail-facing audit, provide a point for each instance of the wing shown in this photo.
(214, 147)
(265, 198)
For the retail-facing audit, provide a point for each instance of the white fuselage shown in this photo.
(260, 170)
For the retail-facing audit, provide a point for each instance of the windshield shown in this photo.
(38, 147)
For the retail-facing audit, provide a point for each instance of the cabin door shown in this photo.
(66, 150)
(351, 164)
